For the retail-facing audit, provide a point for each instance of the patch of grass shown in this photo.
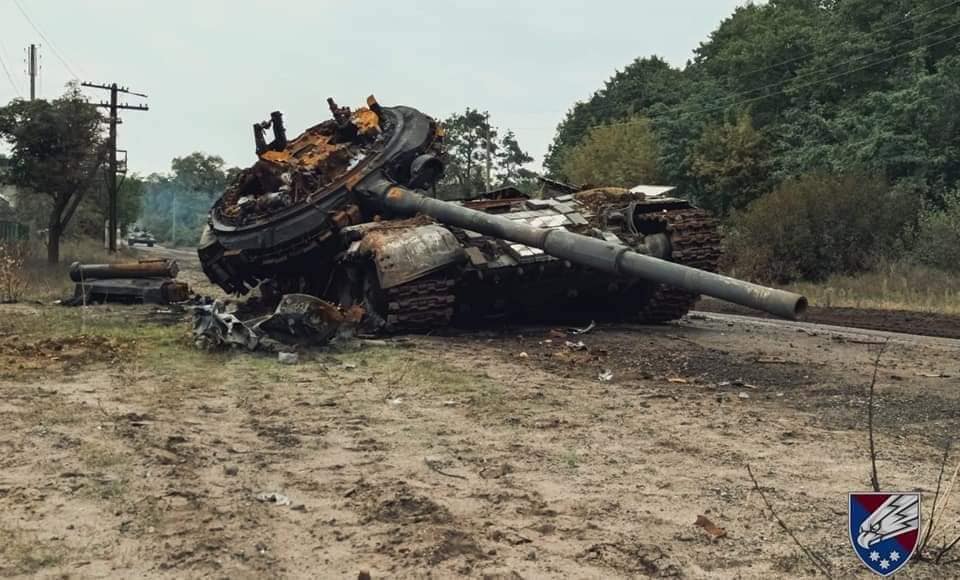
(891, 286)
(570, 458)
(790, 563)
(53, 410)
(46, 282)
(107, 489)
(110, 470)
(97, 458)
(27, 556)
(408, 368)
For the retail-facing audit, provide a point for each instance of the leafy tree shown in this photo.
(469, 140)
(731, 162)
(622, 154)
(643, 84)
(511, 159)
(175, 206)
(471, 143)
(817, 225)
(200, 172)
(937, 240)
(57, 149)
(92, 213)
(837, 86)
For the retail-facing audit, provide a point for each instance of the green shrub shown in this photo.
(621, 155)
(937, 240)
(818, 225)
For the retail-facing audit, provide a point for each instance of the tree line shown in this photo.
(797, 121)
(57, 164)
(58, 150)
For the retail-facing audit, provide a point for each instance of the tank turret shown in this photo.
(345, 212)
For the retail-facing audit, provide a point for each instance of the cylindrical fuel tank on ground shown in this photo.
(140, 269)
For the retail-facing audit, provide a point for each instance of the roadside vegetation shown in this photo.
(892, 286)
(824, 134)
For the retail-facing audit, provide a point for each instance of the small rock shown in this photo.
(744, 396)
(273, 497)
(231, 470)
(288, 358)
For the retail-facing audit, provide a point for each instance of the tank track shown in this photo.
(420, 305)
(428, 303)
(695, 242)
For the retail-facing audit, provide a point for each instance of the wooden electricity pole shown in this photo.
(488, 147)
(112, 184)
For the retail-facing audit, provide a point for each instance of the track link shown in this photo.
(695, 242)
(420, 305)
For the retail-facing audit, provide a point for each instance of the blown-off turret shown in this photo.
(344, 212)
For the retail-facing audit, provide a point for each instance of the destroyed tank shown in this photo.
(344, 212)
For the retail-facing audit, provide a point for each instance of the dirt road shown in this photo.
(494, 454)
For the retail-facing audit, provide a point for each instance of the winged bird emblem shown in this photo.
(884, 528)
(898, 515)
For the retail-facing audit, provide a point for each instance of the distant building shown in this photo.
(652, 190)
(6, 207)
(553, 188)
(10, 229)
(8, 198)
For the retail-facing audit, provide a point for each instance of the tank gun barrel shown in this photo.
(593, 252)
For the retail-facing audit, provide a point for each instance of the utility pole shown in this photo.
(112, 185)
(173, 220)
(33, 69)
(489, 161)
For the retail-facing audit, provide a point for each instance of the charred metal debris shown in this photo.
(299, 320)
(142, 282)
(343, 214)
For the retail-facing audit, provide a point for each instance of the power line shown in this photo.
(846, 63)
(781, 91)
(896, 24)
(3, 64)
(812, 73)
(114, 167)
(827, 48)
(47, 40)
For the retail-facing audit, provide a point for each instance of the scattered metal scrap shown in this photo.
(299, 320)
(344, 212)
(142, 282)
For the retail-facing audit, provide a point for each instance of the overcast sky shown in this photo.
(213, 67)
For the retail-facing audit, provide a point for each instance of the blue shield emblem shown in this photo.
(884, 529)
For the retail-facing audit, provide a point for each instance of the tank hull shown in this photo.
(341, 212)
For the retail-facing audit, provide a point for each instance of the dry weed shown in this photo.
(13, 281)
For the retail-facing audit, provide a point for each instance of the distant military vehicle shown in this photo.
(140, 236)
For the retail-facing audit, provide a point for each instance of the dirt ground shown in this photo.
(489, 454)
(926, 323)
